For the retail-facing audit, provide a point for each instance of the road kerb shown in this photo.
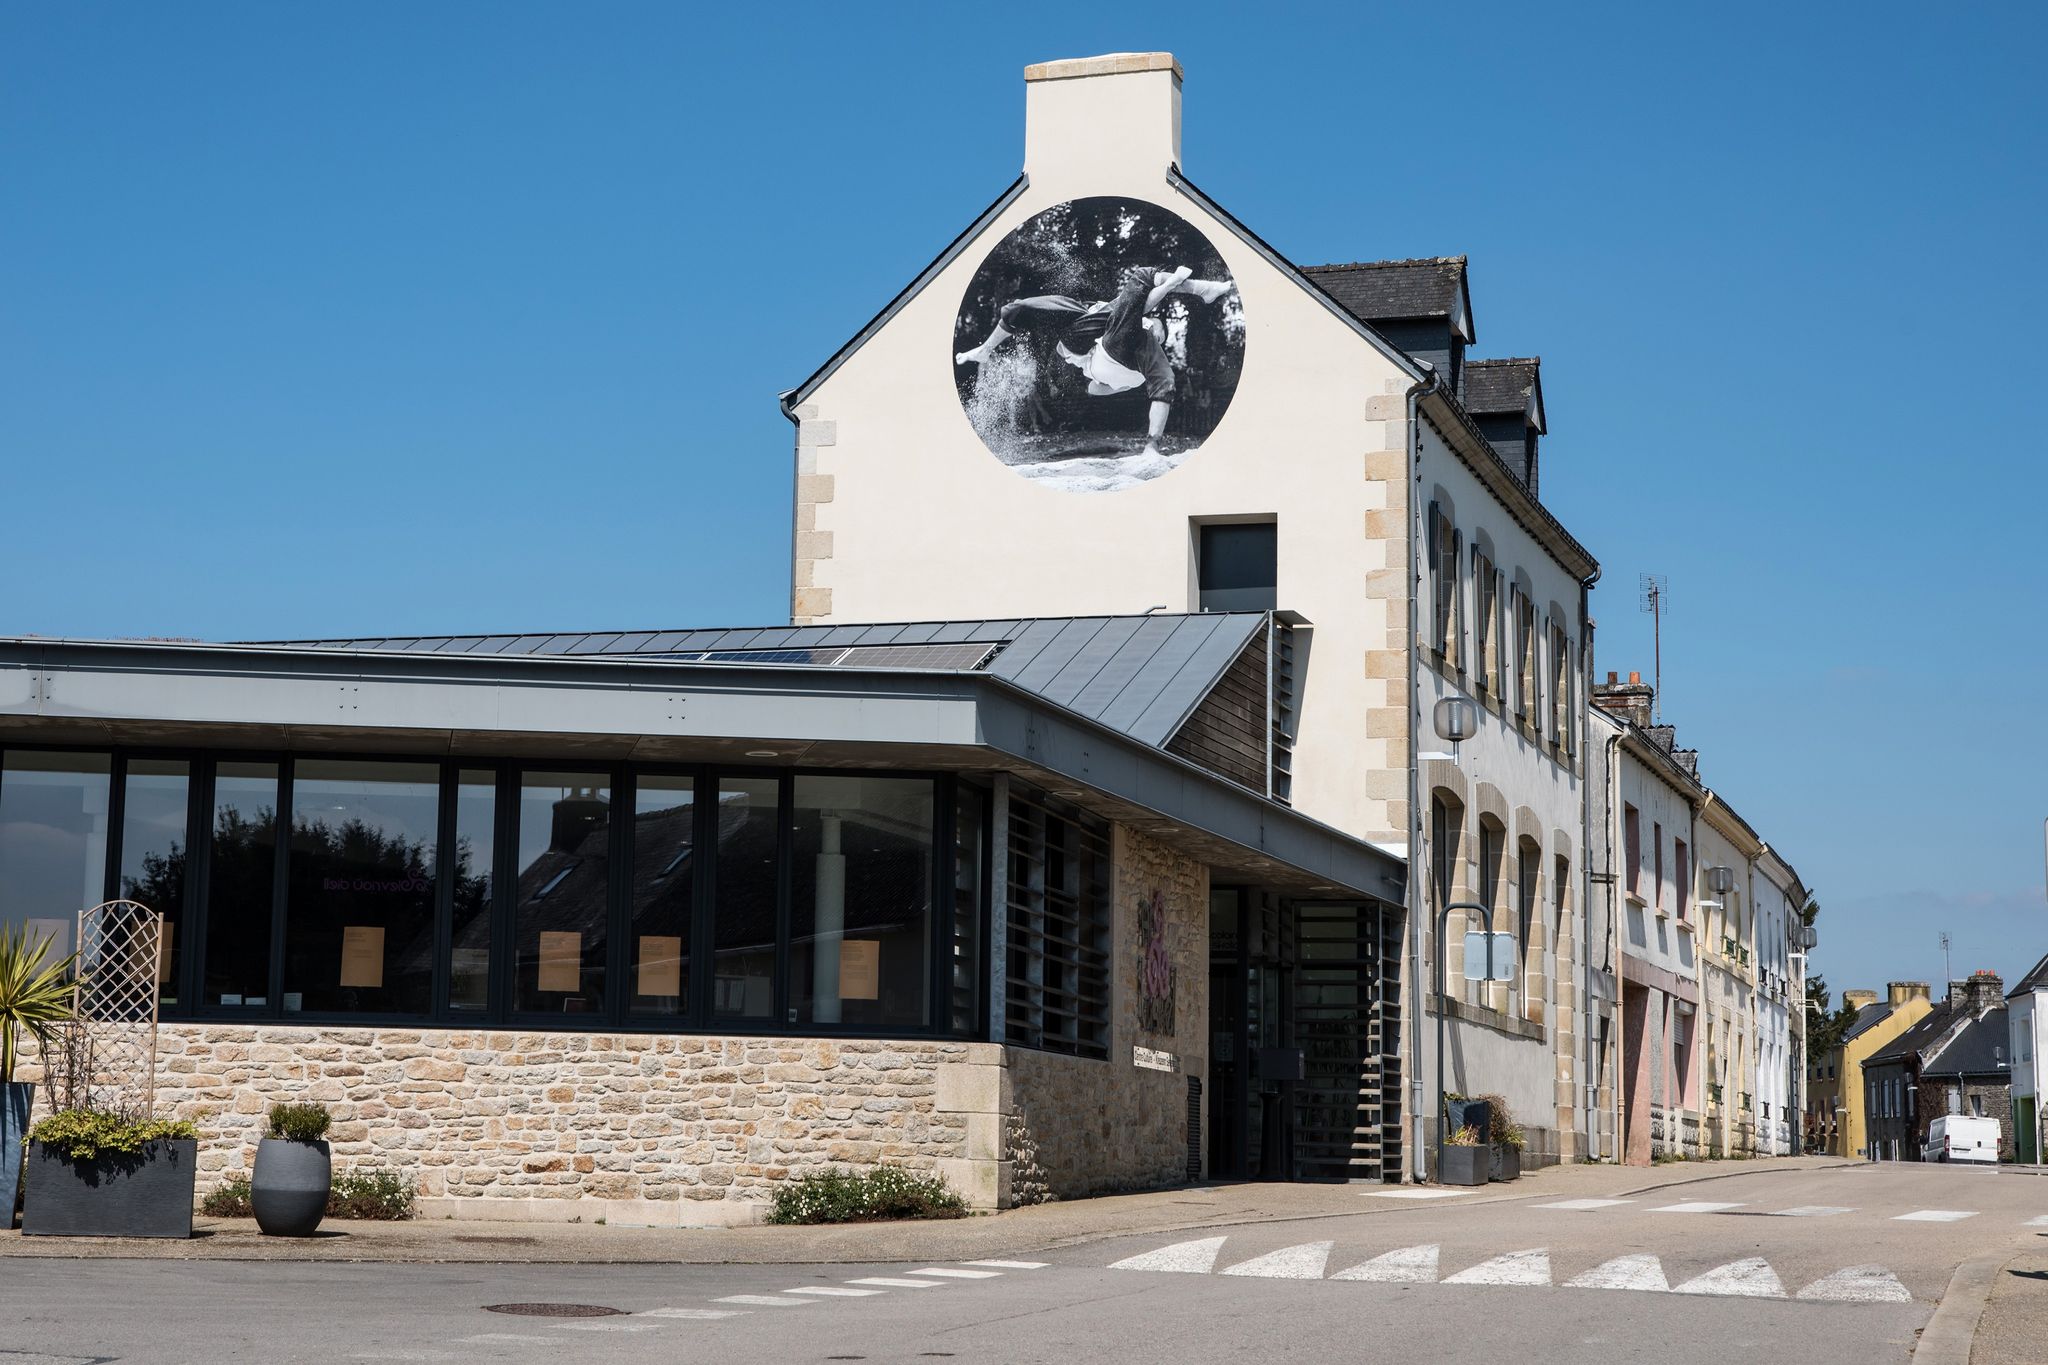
(1947, 1337)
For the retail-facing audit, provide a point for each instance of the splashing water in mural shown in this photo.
(1098, 344)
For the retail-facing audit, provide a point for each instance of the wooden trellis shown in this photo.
(107, 1057)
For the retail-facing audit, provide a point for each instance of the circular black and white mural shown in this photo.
(1099, 344)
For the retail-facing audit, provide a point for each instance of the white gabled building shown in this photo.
(2026, 1017)
(1312, 441)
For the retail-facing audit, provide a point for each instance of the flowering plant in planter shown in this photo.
(99, 1174)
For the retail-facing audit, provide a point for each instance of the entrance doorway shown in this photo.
(1304, 998)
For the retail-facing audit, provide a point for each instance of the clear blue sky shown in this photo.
(389, 318)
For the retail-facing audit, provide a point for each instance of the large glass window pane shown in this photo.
(970, 896)
(239, 884)
(861, 902)
(476, 844)
(564, 889)
(744, 897)
(53, 841)
(154, 799)
(359, 898)
(664, 833)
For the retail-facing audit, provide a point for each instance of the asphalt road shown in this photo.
(1819, 1266)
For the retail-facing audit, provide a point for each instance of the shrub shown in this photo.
(1468, 1136)
(1506, 1132)
(299, 1122)
(229, 1199)
(836, 1196)
(381, 1196)
(88, 1134)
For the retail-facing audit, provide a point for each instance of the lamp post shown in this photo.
(1456, 720)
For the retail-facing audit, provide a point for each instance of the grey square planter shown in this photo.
(145, 1195)
(1506, 1164)
(1462, 1165)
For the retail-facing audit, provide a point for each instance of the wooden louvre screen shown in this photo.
(1057, 943)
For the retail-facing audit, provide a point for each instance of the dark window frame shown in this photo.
(500, 1013)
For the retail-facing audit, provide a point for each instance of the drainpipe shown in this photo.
(1611, 772)
(1418, 874)
(1587, 1088)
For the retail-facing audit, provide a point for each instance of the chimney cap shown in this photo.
(1635, 679)
(1108, 64)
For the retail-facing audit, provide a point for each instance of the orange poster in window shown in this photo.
(362, 955)
(661, 965)
(561, 961)
(860, 969)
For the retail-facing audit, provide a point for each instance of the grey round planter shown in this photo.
(290, 1186)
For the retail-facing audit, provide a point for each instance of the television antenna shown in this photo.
(1655, 598)
(1947, 972)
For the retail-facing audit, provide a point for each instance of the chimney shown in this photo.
(1899, 992)
(1092, 123)
(1856, 1000)
(1986, 991)
(1630, 700)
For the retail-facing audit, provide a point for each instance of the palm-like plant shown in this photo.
(35, 993)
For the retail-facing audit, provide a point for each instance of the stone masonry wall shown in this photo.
(1106, 1126)
(632, 1128)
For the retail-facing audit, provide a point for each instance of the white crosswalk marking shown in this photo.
(502, 1339)
(1190, 1258)
(1585, 1204)
(1935, 1216)
(1811, 1211)
(959, 1274)
(834, 1291)
(1517, 1267)
(694, 1313)
(761, 1300)
(605, 1325)
(1013, 1265)
(1624, 1272)
(1695, 1206)
(1409, 1265)
(1751, 1278)
(1304, 1262)
(1413, 1193)
(2041, 1222)
(888, 1282)
(1858, 1284)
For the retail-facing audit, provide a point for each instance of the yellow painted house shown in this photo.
(1835, 1085)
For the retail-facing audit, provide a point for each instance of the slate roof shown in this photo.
(1927, 1032)
(1868, 1018)
(2035, 980)
(1139, 675)
(1975, 1051)
(1383, 291)
(1505, 386)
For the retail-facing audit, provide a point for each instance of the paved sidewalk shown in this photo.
(1014, 1232)
(2014, 1327)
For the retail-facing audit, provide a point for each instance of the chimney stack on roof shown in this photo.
(1856, 1000)
(1984, 991)
(1091, 121)
(1629, 701)
(1899, 992)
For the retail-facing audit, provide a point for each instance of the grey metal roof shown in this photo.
(1139, 675)
(1868, 1018)
(2035, 980)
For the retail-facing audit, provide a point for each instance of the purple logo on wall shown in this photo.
(1155, 967)
(1099, 344)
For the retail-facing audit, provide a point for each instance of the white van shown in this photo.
(1961, 1137)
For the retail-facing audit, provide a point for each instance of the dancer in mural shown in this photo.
(1115, 343)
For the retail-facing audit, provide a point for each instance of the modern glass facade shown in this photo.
(360, 888)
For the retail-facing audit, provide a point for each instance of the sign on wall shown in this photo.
(1099, 344)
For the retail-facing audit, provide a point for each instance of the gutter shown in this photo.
(1587, 1087)
(1418, 873)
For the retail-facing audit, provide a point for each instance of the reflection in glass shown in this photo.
(154, 797)
(664, 819)
(53, 842)
(970, 893)
(563, 890)
(359, 899)
(744, 966)
(239, 879)
(476, 843)
(860, 904)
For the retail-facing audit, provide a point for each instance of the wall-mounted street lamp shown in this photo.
(1457, 720)
(1720, 880)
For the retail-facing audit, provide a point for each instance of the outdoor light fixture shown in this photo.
(1720, 880)
(1457, 720)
